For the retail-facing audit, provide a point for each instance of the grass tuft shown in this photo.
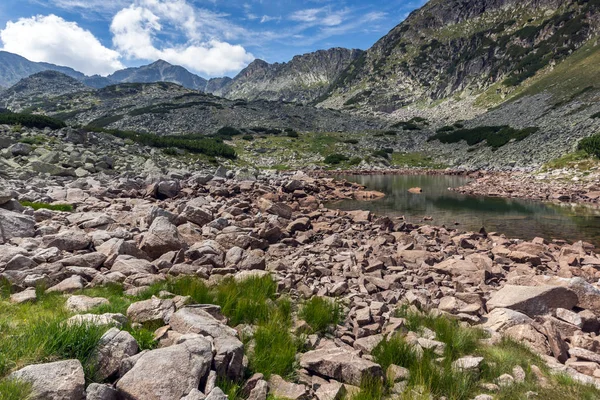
(11, 389)
(320, 313)
(47, 206)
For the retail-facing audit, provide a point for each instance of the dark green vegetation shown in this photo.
(30, 120)
(53, 207)
(198, 144)
(494, 136)
(321, 314)
(334, 159)
(590, 145)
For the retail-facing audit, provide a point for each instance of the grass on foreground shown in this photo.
(35, 332)
(14, 390)
(433, 376)
(47, 206)
(321, 313)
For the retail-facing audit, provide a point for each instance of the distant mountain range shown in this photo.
(303, 79)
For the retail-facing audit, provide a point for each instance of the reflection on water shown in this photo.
(515, 218)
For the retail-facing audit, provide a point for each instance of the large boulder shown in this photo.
(114, 248)
(229, 357)
(81, 303)
(15, 225)
(61, 380)
(67, 241)
(161, 238)
(114, 347)
(196, 320)
(533, 300)
(152, 310)
(169, 373)
(340, 364)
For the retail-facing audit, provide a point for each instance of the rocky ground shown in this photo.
(138, 232)
(564, 185)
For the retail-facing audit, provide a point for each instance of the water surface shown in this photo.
(513, 217)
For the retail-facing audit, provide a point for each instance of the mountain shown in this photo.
(13, 68)
(38, 88)
(166, 108)
(303, 79)
(463, 48)
(159, 71)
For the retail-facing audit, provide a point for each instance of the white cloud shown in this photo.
(142, 30)
(52, 39)
(319, 16)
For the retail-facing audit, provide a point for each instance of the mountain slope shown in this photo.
(303, 79)
(39, 87)
(463, 47)
(13, 68)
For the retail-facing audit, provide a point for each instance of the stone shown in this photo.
(339, 364)
(505, 380)
(5, 196)
(299, 225)
(113, 348)
(69, 285)
(569, 316)
(280, 209)
(286, 390)
(528, 335)
(331, 391)
(501, 319)
(467, 363)
(15, 225)
(26, 296)
(260, 391)
(107, 319)
(61, 380)
(229, 357)
(368, 343)
(152, 310)
(559, 348)
(67, 241)
(161, 238)
(216, 394)
(584, 354)
(169, 373)
(84, 303)
(20, 263)
(196, 320)
(91, 260)
(533, 300)
(196, 215)
(114, 248)
(396, 373)
(195, 394)
(97, 391)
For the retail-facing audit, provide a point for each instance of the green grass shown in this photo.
(232, 389)
(11, 389)
(579, 160)
(321, 313)
(370, 389)
(275, 349)
(248, 301)
(53, 207)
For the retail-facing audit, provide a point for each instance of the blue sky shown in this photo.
(208, 37)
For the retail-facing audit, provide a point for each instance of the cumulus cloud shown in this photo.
(52, 39)
(142, 31)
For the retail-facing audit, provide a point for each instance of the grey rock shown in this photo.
(61, 380)
(84, 303)
(339, 364)
(161, 238)
(197, 320)
(533, 300)
(15, 225)
(113, 348)
(97, 391)
(169, 373)
(152, 310)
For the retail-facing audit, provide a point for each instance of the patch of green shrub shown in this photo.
(494, 136)
(228, 131)
(198, 144)
(248, 138)
(334, 159)
(291, 133)
(351, 141)
(355, 161)
(590, 145)
(381, 153)
(31, 120)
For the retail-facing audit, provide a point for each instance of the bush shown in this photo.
(334, 159)
(494, 136)
(355, 161)
(228, 131)
(321, 313)
(381, 153)
(248, 137)
(30, 120)
(198, 144)
(590, 145)
(291, 133)
(351, 141)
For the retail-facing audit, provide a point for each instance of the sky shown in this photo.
(211, 38)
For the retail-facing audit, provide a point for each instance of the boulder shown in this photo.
(15, 225)
(152, 310)
(533, 300)
(501, 319)
(229, 357)
(67, 241)
(97, 391)
(114, 248)
(339, 364)
(161, 238)
(84, 303)
(196, 320)
(61, 380)
(113, 348)
(69, 285)
(26, 296)
(169, 373)
(287, 390)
